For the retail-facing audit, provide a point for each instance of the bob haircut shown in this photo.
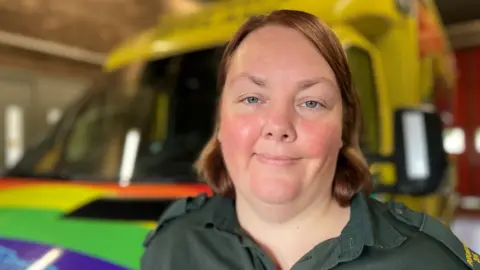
(352, 174)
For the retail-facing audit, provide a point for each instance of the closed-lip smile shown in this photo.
(278, 160)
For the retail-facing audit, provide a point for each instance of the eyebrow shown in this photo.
(305, 84)
(255, 79)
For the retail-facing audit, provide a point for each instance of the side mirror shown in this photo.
(420, 157)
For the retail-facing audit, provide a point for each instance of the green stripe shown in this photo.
(117, 242)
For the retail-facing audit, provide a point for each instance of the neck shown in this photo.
(301, 226)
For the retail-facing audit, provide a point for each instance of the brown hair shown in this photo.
(352, 173)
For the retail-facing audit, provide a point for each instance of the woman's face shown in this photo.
(280, 118)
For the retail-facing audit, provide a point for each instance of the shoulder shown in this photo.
(425, 234)
(175, 227)
(179, 215)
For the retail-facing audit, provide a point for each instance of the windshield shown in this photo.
(150, 121)
(145, 123)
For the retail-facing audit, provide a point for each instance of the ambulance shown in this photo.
(86, 195)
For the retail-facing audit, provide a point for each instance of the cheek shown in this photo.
(319, 139)
(238, 134)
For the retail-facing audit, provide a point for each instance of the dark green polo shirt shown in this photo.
(203, 233)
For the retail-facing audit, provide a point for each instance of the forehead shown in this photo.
(279, 50)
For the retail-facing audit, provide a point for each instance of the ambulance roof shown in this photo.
(214, 26)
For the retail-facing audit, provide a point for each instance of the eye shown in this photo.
(251, 100)
(312, 104)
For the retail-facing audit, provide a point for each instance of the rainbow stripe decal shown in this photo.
(15, 254)
(38, 216)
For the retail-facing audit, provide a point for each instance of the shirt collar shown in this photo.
(223, 214)
(367, 225)
(359, 230)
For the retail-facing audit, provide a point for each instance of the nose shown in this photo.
(279, 126)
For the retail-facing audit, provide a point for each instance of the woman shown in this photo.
(287, 172)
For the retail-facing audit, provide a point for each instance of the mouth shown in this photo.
(277, 160)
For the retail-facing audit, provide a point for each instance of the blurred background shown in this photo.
(61, 60)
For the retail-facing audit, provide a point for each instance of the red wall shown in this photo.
(467, 116)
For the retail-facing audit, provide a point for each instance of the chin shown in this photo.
(274, 191)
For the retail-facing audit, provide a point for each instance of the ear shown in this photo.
(218, 134)
(340, 143)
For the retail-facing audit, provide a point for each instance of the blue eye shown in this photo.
(312, 104)
(251, 100)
